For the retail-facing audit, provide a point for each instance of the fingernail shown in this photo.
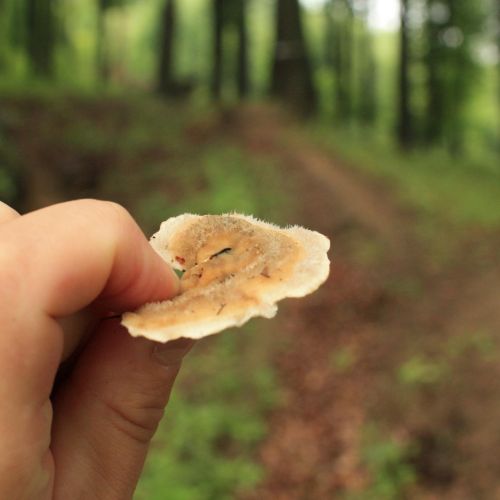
(172, 353)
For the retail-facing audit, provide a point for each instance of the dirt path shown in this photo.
(341, 342)
(357, 198)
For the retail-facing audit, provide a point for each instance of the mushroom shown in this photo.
(234, 267)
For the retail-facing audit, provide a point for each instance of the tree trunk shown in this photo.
(165, 67)
(102, 65)
(3, 36)
(368, 88)
(339, 36)
(218, 25)
(368, 96)
(242, 70)
(498, 71)
(330, 35)
(40, 37)
(291, 72)
(345, 80)
(456, 90)
(434, 59)
(405, 119)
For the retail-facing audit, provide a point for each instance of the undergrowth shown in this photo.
(463, 190)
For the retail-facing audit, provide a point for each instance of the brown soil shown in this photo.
(341, 348)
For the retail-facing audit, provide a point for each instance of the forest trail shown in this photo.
(331, 187)
(264, 130)
(342, 342)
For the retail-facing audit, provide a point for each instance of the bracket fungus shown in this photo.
(235, 267)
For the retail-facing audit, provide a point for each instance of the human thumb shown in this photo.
(108, 410)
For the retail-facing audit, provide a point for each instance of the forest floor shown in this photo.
(393, 338)
(389, 375)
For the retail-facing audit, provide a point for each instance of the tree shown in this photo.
(103, 69)
(405, 130)
(218, 25)
(242, 67)
(227, 15)
(339, 34)
(291, 79)
(3, 35)
(367, 97)
(40, 23)
(165, 69)
(498, 64)
(451, 68)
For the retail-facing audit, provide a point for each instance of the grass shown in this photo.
(461, 191)
(205, 447)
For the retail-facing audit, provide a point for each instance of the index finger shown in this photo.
(7, 213)
(56, 261)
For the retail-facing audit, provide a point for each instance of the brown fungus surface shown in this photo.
(234, 268)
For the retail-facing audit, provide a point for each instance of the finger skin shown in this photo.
(7, 213)
(107, 413)
(53, 263)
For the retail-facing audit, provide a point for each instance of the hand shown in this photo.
(62, 269)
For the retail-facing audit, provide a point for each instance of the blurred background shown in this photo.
(376, 122)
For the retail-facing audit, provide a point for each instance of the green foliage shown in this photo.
(475, 343)
(452, 68)
(388, 463)
(220, 180)
(461, 191)
(453, 44)
(205, 446)
(419, 371)
(343, 360)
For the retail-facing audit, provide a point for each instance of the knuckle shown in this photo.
(115, 209)
(107, 211)
(138, 424)
(105, 207)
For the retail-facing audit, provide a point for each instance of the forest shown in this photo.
(376, 122)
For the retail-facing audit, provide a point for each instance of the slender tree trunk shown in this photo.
(457, 58)
(165, 67)
(330, 32)
(498, 71)
(345, 82)
(291, 72)
(3, 35)
(339, 32)
(242, 70)
(218, 26)
(368, 88)
(405, 119)
(102, 65)
(368, 97)
(338, 67)
(436, 98)
(40, 37)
